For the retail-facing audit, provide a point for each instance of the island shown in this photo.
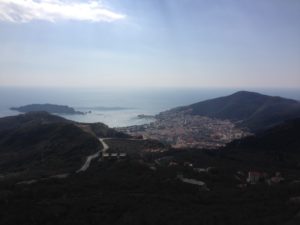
(143, 116)
(50, 108)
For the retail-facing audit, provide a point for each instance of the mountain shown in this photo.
(29, 119)
(102, 130)
(253, 110)
(283, 138)
(277, 147)
(39, 144)
(144, 189)
(51, 108)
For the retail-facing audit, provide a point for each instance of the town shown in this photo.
(182, 130)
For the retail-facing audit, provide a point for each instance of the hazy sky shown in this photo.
(205, 43)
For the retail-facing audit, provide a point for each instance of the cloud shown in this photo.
(24, 11)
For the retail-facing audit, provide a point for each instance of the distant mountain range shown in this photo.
(249, 109)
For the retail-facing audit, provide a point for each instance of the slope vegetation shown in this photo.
(253, 110)
(41, 144)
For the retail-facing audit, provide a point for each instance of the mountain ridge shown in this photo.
(250, 109)
(284, 137)
(38, 144)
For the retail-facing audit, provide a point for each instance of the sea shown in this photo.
(119, 107)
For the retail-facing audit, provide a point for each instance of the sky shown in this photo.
(160, 43)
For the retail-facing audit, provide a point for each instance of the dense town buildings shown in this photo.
(182, 130)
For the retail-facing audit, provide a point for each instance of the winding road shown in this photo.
(105, 146)
(84, 167)
(89, 159)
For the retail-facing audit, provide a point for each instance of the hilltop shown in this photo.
(29, 119)
(247, 109)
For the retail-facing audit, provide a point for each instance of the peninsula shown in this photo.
(50, 108)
